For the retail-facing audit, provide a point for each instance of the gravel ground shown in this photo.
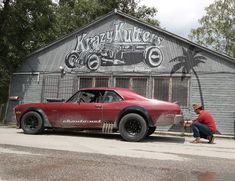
(24, 163)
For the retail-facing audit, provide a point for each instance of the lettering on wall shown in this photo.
(117, 47)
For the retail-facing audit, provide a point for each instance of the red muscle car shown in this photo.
(106, 109)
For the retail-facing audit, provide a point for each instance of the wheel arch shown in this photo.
(138, 110)
(46, 122)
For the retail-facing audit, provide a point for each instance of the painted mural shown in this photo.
(188, 62)
(123, 45)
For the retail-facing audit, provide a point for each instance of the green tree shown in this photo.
(143, 12)
(217, 30)
(26, 25)
(72, 14)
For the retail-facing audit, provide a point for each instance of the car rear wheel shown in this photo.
(133, 127)
(32, 123)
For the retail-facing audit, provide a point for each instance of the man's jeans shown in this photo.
(200, 130)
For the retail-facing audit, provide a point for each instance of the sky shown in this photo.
(179, 16)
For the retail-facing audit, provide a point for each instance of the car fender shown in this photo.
(135, 109)
(41, 112)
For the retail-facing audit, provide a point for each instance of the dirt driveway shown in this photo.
(155, 147)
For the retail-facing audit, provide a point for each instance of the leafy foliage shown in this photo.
(25, 26)
(141, 12)
(72, 14)
(217, 30)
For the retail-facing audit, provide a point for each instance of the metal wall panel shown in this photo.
(57, 86)
(219, 98)
(27, 87)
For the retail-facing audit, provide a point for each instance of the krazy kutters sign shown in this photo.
(114, 47)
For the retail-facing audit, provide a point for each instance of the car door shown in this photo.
(81, 111)
(112, 105)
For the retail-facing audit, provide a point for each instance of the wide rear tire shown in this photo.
(32, 123)
(133, 127)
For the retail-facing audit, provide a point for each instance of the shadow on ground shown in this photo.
(112, 136)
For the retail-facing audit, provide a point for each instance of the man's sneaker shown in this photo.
(197, 140)
(211, 139)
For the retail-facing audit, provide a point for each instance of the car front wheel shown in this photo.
(32, 123)
(133, 127)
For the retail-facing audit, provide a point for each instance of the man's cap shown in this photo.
(197, 106)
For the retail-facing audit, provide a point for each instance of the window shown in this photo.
(140, 85)
(50, 87)
(86, 82)
(180, 90)
(164, 88)
(111, 96)
(56, 87)
(122, 82)
(161, 88)
(137, 84)
(101, 82)
(87, 96)
(171, 89)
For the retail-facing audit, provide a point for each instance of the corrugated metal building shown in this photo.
(118, 50)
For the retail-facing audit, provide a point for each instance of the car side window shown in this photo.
(74, 98)
(87, 96)
(111, 96)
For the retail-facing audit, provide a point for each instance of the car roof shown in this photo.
(105, 88)
(123, 92)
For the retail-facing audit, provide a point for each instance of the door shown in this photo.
(83, 110)
(112, 105)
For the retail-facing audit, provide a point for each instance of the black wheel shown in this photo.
(133, 127)
(154, 57)
(71, 60)
(93, 62)
(150, 131)
(32, 123)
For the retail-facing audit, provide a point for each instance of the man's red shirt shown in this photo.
(205, 118)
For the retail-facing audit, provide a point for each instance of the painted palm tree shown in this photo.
(187, 62)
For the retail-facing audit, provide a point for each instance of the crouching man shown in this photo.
(203, 127)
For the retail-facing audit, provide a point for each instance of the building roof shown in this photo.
(119, 13)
